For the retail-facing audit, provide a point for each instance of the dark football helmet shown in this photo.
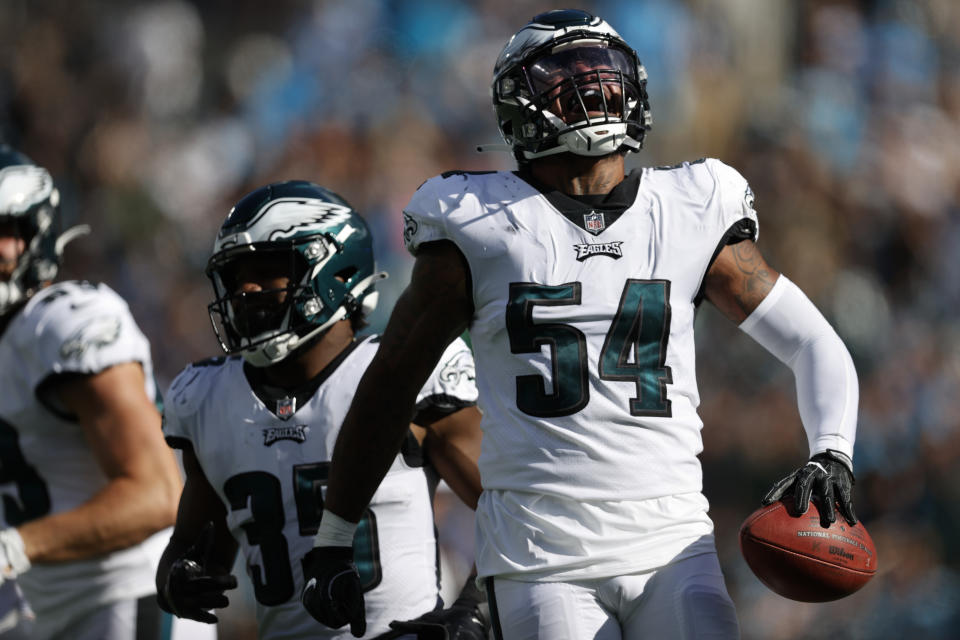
(29, 199)
(329, 256)
(568, 82)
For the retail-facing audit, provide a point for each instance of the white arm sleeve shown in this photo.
(790, 327)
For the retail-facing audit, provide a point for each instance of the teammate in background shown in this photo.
(293, 275)
(579, 285)
(87, 479)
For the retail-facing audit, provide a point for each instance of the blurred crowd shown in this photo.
(154, 116)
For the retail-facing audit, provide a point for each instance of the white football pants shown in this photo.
(684, 600)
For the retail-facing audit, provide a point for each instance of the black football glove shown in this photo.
(191, 590)
(466, 619)
(332, 593)
(829, 478)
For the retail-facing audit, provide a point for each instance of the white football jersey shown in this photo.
(266, 458)
(583, 336)
(47, 467)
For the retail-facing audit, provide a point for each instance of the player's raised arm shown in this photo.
(776, 313)
(433, 310)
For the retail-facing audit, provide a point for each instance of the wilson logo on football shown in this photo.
(609, 249)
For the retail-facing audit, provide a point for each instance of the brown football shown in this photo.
(800, 560)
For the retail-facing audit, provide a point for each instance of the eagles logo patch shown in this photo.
(410, 228)
(98, 333)
(458, 370)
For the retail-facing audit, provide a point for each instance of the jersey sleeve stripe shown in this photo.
(178, 442)
(437, 406)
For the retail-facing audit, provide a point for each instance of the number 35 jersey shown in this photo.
(583, 335)
(47, 467)
(268, 459)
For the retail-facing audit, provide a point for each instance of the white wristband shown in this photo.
(334, 531)
(12, 551)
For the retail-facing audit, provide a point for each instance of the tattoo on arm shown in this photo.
(739, 280)
(756, 277)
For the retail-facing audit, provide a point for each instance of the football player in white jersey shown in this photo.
(293, 276)
(579, 285)
(88, 484)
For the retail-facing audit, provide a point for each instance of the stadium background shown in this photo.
(155, 116)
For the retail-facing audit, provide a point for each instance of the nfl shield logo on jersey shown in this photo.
(593, 222)
(286, 407)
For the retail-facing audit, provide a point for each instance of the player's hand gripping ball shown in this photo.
(800, 559)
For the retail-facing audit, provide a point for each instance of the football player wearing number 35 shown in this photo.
(293, 277)
(89, 487)
(579, 285)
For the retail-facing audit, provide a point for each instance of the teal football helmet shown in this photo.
(31, 202)
(330, 269)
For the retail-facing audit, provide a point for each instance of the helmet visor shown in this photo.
(584, 81)
(550, 70)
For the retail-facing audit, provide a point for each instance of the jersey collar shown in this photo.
(592, 213)
(284, 403)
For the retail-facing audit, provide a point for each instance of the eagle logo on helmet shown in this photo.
(23, 187)
(285, 218)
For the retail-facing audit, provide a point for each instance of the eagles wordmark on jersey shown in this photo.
(268, 461)
(583, 335)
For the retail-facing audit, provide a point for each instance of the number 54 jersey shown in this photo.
(583, 335)
(268, 456)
